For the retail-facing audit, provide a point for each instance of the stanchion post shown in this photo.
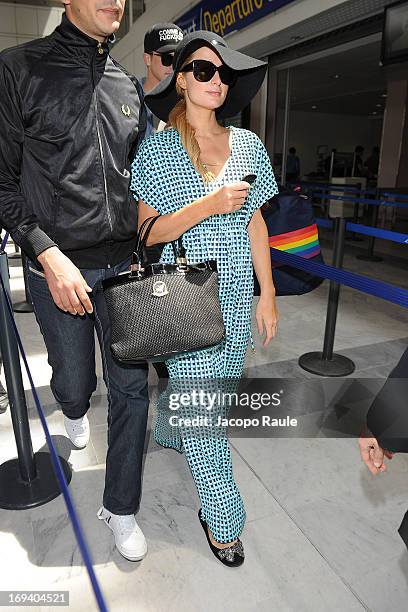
(354, 236)
(29, 480)
(369, 256)
(326, 204)
(334, 290)
(14, 382)
(327, 363)
(26, 305)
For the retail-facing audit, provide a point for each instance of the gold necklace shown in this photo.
(206, 164)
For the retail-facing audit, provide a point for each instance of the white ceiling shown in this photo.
(343, 14)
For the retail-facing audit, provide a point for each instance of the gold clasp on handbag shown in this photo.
(136, 269)
(181, 264)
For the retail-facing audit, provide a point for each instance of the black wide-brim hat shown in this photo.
(250, 75)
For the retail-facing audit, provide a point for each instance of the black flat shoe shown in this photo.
(233, 556)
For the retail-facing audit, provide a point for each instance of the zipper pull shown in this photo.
(100, 48)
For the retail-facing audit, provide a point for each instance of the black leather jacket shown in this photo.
(71, 120)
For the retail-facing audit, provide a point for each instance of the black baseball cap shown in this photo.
(162, 38)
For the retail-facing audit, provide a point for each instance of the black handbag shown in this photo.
(161, 310)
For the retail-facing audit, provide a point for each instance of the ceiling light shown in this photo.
(336, 76)
(384, 95)
(314, 106)
(379, 105)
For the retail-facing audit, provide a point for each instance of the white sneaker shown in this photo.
(129, 538)
(77, 430)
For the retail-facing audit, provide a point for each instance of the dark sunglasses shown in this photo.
(166, 58)
(203, 71)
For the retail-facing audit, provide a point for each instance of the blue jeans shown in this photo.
(70, 343)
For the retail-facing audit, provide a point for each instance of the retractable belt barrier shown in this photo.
(55, 459)
(372, 232)
(390, 194)
(326, 362)
(351, 189)
(369, 201)
(368, 230)
(332, 187)
(385, 291)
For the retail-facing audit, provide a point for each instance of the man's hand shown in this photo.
(372, 454)
(67, 286)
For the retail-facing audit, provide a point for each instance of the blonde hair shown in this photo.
(178, 120)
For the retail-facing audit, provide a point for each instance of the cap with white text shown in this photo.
(162, 38)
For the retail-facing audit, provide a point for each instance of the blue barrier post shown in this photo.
(369, 256)
(26, 305)
(28, 481)
(327, 363)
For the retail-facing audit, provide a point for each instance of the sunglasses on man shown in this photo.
(204, 70)
(166, 58)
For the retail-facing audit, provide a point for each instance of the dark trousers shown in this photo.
(70, 343)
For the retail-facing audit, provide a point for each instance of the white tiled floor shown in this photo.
(320, 533)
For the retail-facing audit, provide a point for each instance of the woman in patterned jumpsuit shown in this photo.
(191, 175)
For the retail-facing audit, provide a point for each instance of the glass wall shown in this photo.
(329, 115)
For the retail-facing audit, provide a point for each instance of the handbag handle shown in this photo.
(142, 236)
(138, 251)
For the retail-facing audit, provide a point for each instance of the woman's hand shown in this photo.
(266, 310)
(267, 317)
(228, 198)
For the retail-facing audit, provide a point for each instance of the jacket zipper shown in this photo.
(100, 145)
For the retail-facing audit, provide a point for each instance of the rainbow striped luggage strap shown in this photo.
(303, 242)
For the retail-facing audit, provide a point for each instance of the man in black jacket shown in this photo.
(71, 120)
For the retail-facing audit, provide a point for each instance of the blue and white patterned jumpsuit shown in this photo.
(164, 177)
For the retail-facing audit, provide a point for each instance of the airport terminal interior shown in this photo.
(321, 532)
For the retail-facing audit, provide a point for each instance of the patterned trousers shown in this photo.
(193, 428)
